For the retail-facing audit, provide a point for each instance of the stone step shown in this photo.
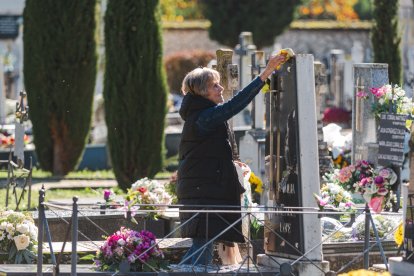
(86, 247)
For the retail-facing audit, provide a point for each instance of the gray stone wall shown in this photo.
(318, 42)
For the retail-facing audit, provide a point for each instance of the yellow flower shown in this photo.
(363, 272)
(398, 235)
(254, 180)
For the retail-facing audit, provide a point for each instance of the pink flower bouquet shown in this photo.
(376, 189)
(138, 249)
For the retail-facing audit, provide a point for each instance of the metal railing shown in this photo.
(247, 265)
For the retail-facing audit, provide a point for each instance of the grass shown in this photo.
(171, 165)
(85, 174)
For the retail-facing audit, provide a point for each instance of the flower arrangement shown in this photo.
(348, 176)
(389, 99)
(334, 196)
(138, 250)
(385, 227)
(373, 184)
(376, 189)
(18, 236)
(147, 191)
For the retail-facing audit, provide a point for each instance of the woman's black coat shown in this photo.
(207, 176)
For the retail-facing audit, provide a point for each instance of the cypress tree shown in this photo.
(59, 76)
(265, 19)
(135, 89)
(386, 39)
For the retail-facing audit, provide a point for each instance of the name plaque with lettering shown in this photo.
(9, 26)
(391, 139)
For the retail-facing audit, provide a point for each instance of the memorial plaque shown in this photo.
(391, 139)
(9, 26)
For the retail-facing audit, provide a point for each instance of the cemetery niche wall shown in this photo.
(292, 153)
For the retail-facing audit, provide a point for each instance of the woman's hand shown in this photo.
(274, 62)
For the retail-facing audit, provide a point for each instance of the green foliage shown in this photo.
(59, 75)
(386, 38)
(364, 9)
(135, 89)
(177, 65)
(265, 19)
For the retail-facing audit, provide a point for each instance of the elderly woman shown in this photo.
(206, 173)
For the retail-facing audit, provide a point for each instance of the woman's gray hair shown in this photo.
(196, 81)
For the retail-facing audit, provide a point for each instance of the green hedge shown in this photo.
(135, 89)
(59, 76)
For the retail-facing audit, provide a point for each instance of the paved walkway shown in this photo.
(73, 184)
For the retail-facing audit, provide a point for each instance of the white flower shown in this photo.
(22, 242)
(22, 228)
(3, 225)
(381, 101)
(121, 242)
(10, 228)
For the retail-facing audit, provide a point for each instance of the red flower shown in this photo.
(142, 190)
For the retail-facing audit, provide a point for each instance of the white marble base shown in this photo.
(398, 267)
(302, 268)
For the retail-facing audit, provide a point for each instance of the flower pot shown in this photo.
(124, 266)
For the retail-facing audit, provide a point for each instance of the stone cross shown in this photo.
(2, 97)
(244, 50)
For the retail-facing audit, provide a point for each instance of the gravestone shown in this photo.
(292, 151)
(252, 144)
(336, 67)
(364, 138)
(321, 83)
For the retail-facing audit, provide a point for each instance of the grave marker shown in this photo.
(293, 143)
(364, 138)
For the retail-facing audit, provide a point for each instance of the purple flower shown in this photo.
(379, 180)
(107, 194)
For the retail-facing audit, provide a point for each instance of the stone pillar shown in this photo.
(336, 67)
(259, 108)
(365, 76)
(2, 97)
